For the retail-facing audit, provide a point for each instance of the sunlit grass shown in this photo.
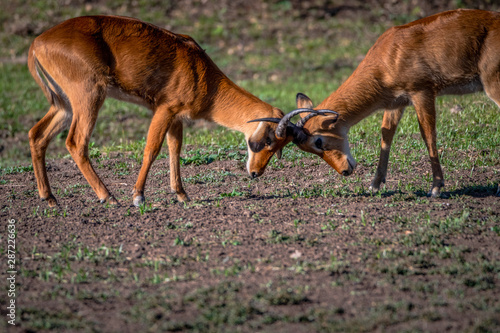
(272, 66)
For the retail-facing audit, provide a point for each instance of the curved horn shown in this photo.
(283, 124)
(285, 121)
(322, 112)
(272, 120)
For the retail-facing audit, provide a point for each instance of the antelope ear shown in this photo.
(328, 122)
(303, 102)
(278, 153)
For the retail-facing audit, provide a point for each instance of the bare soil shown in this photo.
(274, 254)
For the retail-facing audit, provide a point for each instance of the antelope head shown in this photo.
(325, 137)
(271, 138)
(263, 143)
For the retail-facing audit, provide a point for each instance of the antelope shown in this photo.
(454, 52)
(83, 60)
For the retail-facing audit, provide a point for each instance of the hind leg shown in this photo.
(85, 110)
(40, 136)
(174, 141)
(424, 103)
(491, 85)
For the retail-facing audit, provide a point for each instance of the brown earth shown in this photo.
(273, 254)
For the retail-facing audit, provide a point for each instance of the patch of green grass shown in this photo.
(63, 266)
(198, 158)
(41, 319)
(277, 237)
(208, 177)
(15, 169)
(233, 193)
(282, 295)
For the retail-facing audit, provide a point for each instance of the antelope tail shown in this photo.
(53, 92)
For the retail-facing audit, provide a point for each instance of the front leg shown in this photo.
(389, 126)
(156, 134)
(426, 112)
(174, 141)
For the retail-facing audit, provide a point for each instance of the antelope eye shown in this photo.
(269, 141)
(318, 143)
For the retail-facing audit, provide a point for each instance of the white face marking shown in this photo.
(250, 152)
(258, 129)
(250, 157)
(260, 125)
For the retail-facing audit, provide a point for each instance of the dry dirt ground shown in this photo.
(298, 250)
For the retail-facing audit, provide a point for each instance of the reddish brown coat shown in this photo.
(455, 52)
(81, 61)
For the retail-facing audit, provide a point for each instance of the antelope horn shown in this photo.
(301, 122)
(285, 121)
(322, 112)
(272, 120)
(286, 118)
(296, 132)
